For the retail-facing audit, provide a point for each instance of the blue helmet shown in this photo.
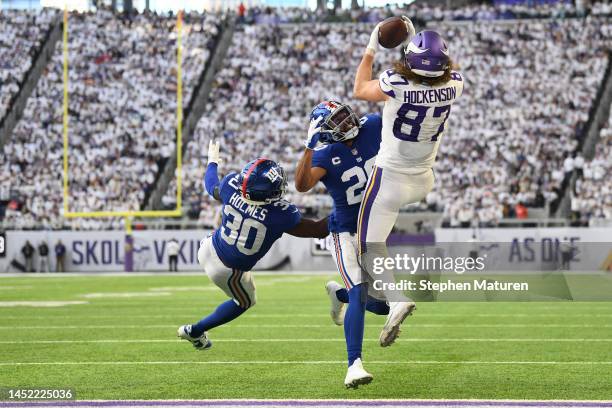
(262, 181)
(427, 54)
(339, 122)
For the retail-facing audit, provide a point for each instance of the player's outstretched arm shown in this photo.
(365, 87)
(308, 228)
(306, 176)
(211, 178)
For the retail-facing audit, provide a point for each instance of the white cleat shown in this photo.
(200, 343)
(337, 310)
(356, 375)
(398, 312)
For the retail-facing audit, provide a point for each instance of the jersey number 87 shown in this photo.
(419, 112)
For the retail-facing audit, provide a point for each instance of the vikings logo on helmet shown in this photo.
(427, 54)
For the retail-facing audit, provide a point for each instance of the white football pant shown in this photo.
(237, 284)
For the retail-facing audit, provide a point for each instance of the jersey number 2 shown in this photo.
(416, 119)
(355, 192)
(236, 231)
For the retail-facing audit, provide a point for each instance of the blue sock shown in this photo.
(354, 323)
(379, 307)
(373, 305)
(342, 295)
(225, 312)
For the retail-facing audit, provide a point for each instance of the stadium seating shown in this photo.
(522, 115)
(270, 81)
(592, 199)
(422, 12)
(21, 36)
(508, 135)
(122, 116)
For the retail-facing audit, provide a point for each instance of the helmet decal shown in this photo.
(412, 47)
(246, 176)
(262, 181)
(427, 54)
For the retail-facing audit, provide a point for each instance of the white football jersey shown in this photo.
(414, 121)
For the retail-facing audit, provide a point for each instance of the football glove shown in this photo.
(213, 152)
(410, 29)
(314, 132)
(373, 44)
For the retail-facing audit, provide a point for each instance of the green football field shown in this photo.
(118, 341)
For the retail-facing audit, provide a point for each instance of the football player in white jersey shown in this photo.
(418, 93)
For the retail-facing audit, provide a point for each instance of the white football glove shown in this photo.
(213, 152)
(373, 44)
(314, 132)
(411, 31)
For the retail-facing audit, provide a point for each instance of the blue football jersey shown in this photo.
(248, 231)
(348, 169)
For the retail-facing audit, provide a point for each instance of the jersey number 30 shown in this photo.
(236, 231)
(355, 192)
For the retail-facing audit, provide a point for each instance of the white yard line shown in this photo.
(315, 340)
(55, 275)
(192, 310)
(305, 326)
(299, 362)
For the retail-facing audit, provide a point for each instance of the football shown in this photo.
(392, 32)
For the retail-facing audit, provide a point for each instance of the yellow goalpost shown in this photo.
(177, 212)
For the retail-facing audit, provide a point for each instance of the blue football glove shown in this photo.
(314, 132)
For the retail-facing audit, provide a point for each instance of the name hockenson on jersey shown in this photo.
(446, 94)
(414, 122)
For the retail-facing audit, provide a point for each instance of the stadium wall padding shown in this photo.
(92, 251)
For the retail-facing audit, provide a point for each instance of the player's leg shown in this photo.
(345, 256)
(386, 193)
(377, 215)
(339, 294)
(346, 245)
(238, 285)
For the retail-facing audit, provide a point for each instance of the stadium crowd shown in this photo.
(21, 37)
(509, 144)
(122, 116)
(526, 104)
(592, 196)
(421, 12)
(508, 138)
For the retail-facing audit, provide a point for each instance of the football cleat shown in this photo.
(397, 314)
(200, 343)
(356, 375)
(337, 310)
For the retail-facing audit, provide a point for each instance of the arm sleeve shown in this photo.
(294, 218)
(211, 179)
(384, 81)
(374, 127)
(459, 82)
(319, 159)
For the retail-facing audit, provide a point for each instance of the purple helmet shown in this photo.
(427, 54)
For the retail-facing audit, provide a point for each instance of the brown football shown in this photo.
(392, 32)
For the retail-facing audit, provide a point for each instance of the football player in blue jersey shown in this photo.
(342, 162)
(254, 216)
